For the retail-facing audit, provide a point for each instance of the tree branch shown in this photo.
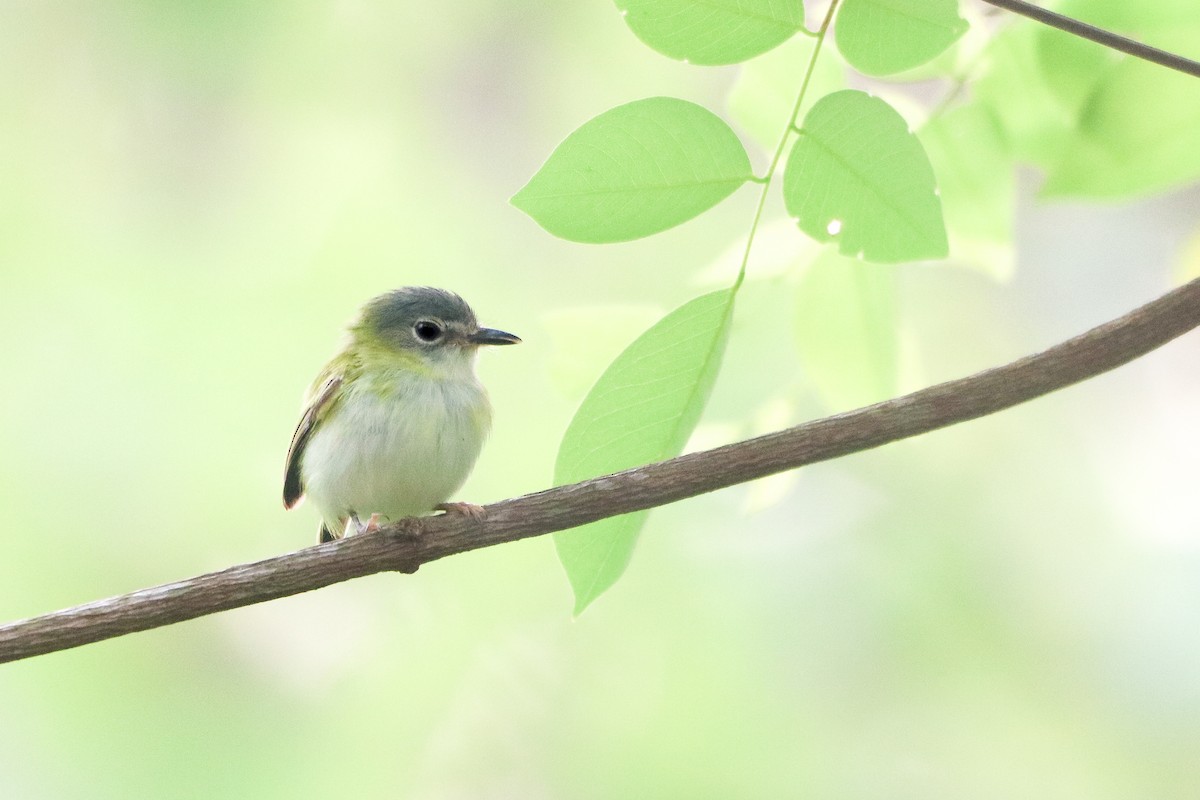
(1100, 36)
(409, 543)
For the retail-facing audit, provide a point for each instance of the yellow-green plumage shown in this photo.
(393, 424)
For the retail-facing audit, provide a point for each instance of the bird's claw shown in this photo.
(469, 510)
(357, 526)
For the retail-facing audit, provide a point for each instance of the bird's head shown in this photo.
(434, 325)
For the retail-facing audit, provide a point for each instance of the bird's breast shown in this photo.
(397, 447)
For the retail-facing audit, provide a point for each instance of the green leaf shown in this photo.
(635, 170)
(643, 409)
(857, 174)
(845, 325)
(1037, 122)
(1070, 67)
(880, 37)
(975, 169)
(1099, 124)
(1139, 132)
(713, 31)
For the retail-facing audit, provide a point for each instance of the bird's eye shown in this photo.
(427, 330)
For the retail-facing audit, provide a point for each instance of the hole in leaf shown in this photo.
(834, 227)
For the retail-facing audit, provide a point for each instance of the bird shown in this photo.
(395, 421)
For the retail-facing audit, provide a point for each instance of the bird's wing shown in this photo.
(293, 487)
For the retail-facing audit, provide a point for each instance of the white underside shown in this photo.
(398, 457)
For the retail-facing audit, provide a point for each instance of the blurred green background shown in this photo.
(195, 196)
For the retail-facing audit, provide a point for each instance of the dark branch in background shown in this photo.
(410, 543)
(1100, 36)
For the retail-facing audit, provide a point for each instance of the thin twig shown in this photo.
(1100, 36)
(412, 542)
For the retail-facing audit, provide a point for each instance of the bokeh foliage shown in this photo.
(196, 196)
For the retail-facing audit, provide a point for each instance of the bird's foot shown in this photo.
(469, 510)
(356, 526)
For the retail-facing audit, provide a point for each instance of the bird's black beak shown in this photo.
(492, 336)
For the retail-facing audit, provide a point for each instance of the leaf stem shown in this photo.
(783, 140)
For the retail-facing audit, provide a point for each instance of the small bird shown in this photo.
(394, 422)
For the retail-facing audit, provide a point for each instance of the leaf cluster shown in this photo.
(886, 176)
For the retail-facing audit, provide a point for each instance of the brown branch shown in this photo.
(1100, 36)
(409, 543)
